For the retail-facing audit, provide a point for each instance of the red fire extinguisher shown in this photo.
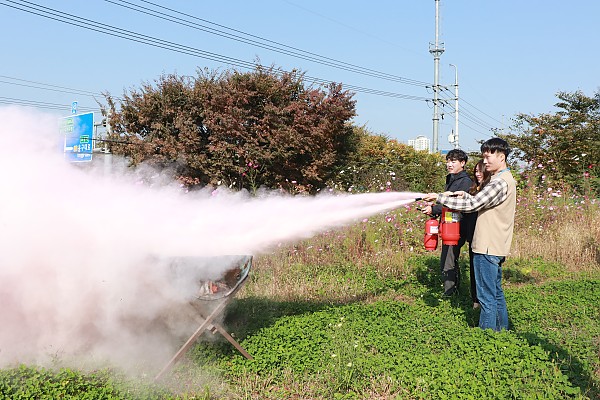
(431, 234)
(450, 226)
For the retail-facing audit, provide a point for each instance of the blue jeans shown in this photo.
(488, 277)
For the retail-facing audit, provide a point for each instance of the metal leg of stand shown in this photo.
(192, 339)
(232, 341)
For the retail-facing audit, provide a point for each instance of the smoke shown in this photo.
(84, 255)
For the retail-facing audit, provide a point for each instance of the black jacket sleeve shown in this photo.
(454, 182)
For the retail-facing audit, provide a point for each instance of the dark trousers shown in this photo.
(449, 266)
(472, 275)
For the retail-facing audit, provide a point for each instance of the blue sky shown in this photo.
(512, 56)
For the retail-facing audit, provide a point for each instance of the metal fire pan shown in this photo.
(214, 278)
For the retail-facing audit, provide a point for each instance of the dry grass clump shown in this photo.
(335, 266)
(555, 229)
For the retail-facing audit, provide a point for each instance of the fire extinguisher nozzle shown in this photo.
(418, 199)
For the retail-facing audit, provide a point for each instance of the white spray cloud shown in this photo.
(82, 253)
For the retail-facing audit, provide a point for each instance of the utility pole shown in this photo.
(455, 133)
(436, 49)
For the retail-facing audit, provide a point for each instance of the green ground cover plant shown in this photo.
(427, 352)
(25, 382)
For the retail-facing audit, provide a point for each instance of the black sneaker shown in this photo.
(450, 292)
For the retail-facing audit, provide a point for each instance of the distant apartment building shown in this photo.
(420, 143)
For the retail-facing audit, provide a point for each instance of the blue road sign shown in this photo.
(79, 133)
(74, 107)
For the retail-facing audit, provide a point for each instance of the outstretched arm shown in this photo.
(491, 195)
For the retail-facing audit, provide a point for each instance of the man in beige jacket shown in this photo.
(495, 205)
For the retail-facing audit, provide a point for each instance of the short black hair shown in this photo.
(457, 154)
(496, 144)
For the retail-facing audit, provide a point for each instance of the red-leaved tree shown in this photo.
(245, 130)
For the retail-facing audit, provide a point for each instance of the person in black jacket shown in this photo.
(457, 179)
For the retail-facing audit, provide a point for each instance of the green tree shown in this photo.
(564, 146)
(380, 163)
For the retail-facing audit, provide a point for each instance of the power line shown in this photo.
(259, 41)
(74, 20)
(466, 112)
(91, 94)
(500, 122)
(54, 88)
(476, 122)
(475, 129)
(71, 19)
(41, 104)
(482, 112)
(350, 27)
(66, 18)
(371, 91)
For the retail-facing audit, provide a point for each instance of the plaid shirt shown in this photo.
(494, 193)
